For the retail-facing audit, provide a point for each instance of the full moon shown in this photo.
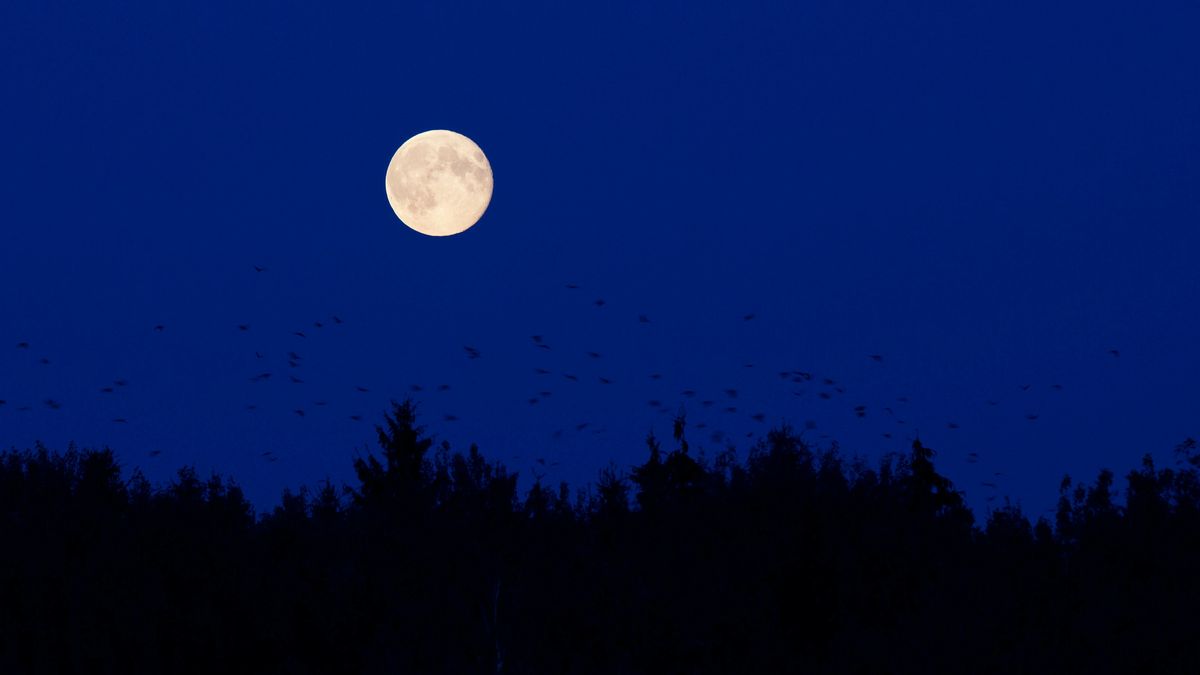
(439, 183)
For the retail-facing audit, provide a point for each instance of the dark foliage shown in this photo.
(793, 560)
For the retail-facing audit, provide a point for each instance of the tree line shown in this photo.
(793, 559)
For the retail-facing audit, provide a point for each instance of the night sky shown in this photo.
(986, 195)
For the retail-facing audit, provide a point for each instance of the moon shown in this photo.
(439, 183)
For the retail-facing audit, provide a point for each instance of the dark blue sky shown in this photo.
(988, 195)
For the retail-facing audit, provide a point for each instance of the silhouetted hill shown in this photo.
(790, 561)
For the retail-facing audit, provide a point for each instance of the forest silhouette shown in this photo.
(791, 560)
